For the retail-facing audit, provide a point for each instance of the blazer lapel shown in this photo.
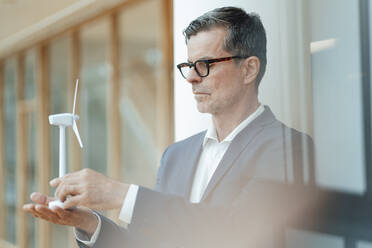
(192, 156)
(237, 146)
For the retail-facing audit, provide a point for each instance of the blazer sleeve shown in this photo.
(113, 235)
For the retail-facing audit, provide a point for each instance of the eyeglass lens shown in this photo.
(201, 68)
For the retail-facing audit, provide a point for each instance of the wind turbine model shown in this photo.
(62, 121)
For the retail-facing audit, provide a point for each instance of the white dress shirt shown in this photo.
(212, 153)
(210, 157)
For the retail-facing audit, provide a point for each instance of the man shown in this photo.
(207, 193)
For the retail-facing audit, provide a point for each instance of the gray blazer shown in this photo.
(231, 211)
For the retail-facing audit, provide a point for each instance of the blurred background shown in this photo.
(133, 103)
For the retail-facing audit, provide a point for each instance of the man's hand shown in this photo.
(89, 189)
(81, 218)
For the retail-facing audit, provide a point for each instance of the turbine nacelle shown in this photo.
(65, 119)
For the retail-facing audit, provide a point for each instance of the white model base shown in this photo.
(56, 203)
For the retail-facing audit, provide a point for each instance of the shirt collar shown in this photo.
(212, 134)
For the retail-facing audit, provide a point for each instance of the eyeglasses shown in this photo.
(202, 66)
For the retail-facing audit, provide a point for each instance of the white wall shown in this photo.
(282, 69)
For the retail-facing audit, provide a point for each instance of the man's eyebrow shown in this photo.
(202, 58)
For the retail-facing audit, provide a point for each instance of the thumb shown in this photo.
(72, 201)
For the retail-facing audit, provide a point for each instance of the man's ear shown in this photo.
(251, 68)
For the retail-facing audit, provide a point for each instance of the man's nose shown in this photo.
(193, 77)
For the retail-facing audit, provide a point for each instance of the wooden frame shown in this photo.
(165, 92)
(113, 113)
(43, 139)
(74, 148)
(22, 154)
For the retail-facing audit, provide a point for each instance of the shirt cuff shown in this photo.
(128, 205)
(82, 236)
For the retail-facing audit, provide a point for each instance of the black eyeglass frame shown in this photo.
(207, 62)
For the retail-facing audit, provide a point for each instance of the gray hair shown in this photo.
(246, 34)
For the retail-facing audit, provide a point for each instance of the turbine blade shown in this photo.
(76, 89)
(75, 128)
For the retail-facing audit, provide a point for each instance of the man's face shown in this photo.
(222, 89)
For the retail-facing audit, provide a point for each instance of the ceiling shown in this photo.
(20, 14)
(30, 20)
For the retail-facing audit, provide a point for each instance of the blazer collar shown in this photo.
(212, 133)
(237, 146)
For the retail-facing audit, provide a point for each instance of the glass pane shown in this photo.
(59, 76)
(140, 57)
(58, 92)
(10, 150)
(364, 244)
(30, 86)
(337, 95)
(338, 123)
(30, 90)
(93, 95)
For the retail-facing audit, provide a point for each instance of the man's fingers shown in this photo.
(46, 213)
(70, 178)
(40, 198)
(55, 182)
(31, 209)
(28, 207)
(64, 190)
(73, 201)
(62, 214)
(43, 209)
(56, 215)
